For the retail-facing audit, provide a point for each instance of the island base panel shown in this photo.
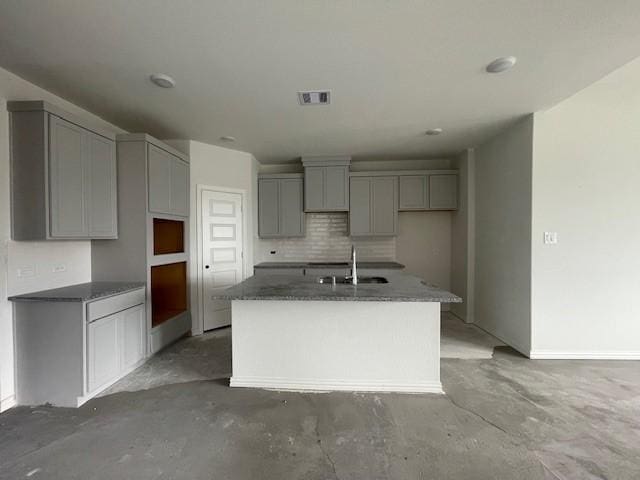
(324, 345)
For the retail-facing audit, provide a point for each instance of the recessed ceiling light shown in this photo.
(501, 64)
(433, 131)
(228, 138)
(162, 80)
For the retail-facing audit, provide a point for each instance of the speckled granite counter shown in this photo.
(364, 265)
(83, 292)
(401, 288)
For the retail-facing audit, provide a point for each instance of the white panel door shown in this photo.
(222, 255)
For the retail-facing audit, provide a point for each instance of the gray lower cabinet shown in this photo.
(103, 359)
(63, 176)
(168, 182)
(69, 351)
(115, 344)
(280, 210)
(373, 207)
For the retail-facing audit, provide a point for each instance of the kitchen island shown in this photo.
(293, 333)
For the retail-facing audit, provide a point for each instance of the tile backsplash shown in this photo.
(327, 238)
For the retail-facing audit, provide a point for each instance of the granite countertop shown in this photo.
(364, 265)
(401, 288)
(83, 292)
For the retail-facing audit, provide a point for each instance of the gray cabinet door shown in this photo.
(336, 188)
(360, 206)
(413, 192)
(132, 331)
(268, 207)
(373, 206)
(443, 192)
(384, 193)
(160, 165)
(313, 188)
(101, 192)
(103, 360)
(67, 153)
(290, 207)
(179, 187)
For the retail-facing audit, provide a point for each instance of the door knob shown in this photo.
(206, 266)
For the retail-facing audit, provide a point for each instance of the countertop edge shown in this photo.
(343, 299)
(31, 298)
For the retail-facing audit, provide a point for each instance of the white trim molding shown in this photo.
(326, 385)
(556, 355)
(197, 323)
(7, 403)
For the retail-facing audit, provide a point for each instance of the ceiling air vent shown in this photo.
(322, 97)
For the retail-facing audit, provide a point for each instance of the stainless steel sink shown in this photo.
(347, 280)
(372, 280)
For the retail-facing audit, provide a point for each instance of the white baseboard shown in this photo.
(7, 403)
(168, 332)
(303, 385)
(556, 355)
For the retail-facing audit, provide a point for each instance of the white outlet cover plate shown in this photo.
(550, 238)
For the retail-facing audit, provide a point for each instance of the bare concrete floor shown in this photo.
(503, 417)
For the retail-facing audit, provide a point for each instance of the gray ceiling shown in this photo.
(395, 68)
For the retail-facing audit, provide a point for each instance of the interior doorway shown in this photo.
(222, 252)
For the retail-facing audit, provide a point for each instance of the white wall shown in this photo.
(462, 244)
(503, 235)
(40, 256)
(219, 167)
(586, 187)
(423, 245)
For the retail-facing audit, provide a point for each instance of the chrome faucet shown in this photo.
(354, 272)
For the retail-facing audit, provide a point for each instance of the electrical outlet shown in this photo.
(59, 268)
(26, 271)
(550, 238)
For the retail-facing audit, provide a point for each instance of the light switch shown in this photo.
(550, 238)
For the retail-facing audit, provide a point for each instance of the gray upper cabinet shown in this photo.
(428, 191)
(373, 206)
(413, 192)
(280, 211)
(443, 192)
(159, 171)
(168, 182)
(180, 188)
(268, 207)
(63, 176)
(102, 195)
(360, 208)
(326, 184)
(67, 153)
